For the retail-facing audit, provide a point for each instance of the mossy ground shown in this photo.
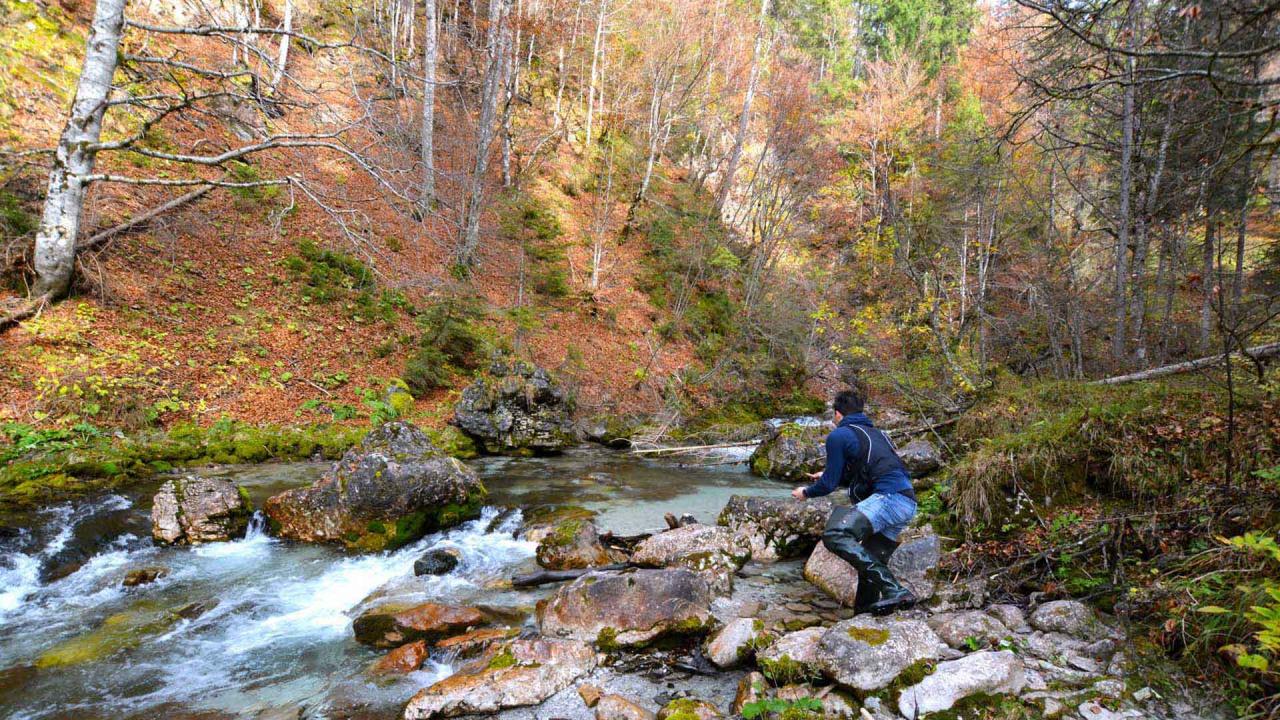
(68, 463)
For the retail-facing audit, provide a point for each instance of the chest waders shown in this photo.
(850, 536)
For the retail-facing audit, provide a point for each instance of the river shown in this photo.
(259, 627)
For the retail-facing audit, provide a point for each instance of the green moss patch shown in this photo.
(67, 463)
(870, 636)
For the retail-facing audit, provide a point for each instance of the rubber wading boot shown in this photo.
(878, 591)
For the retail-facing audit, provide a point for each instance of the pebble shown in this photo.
(1084, 663)
(798, 607)
(1109, 688)
(1144, 694)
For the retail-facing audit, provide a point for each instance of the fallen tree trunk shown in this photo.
(1257, 352)
(21, 311)
(128, 225)
(544, 577)
(917, 429)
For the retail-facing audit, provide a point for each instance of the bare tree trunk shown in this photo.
(484, 132)
(1118, 343)
(430, 40)
(73, 161)
(744, 118)
(1138, 314)
(283, 54)
(595, 64)
(1207, 279)
(1246, 190)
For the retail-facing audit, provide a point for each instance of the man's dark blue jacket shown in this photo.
(847, 445)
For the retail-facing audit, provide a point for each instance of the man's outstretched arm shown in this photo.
(831, 474)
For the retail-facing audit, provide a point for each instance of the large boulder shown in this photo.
(194, 510)
(790, 451)
(628, 609)
(524, 672)
(711, 550)
(516, 409)
(392, 625)
(573, 544)
(392, 489)
(832, 575)
(989, 673)
(776, 528)
(920, 457)
(869, 653)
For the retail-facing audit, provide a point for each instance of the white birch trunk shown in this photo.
(430, 39)
(283, 54)
(595, 69)
(484, 132)
(55, 252)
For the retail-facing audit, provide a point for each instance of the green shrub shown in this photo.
(454, 339)
(538, 232)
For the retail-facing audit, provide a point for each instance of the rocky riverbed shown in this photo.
(735, 610)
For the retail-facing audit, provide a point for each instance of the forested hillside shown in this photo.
(1040, 234)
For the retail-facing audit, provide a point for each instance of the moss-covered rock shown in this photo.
(628, 609)
(791, 451)
(191, 509)
(573, 544)
(391, 490)
(517, 409)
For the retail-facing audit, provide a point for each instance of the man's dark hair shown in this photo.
(848, 402)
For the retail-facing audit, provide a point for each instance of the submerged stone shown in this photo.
(122, 631)
(392, 489)
(627, 609)
(393, 625)
(523, 672)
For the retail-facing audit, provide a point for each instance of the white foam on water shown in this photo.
(19, 577)
(20, 572)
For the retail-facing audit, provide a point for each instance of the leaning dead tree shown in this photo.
(253, 96)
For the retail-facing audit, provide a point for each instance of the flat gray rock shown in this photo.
(991, 673)
(867, 653)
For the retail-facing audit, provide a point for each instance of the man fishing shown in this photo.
(865, 535)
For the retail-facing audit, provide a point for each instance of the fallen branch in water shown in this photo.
(1255, 353)
(696, 448)
(544, 577)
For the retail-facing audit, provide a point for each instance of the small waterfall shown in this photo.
(257, 526)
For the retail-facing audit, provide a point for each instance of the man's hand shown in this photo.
(814, 475)
(798, 493)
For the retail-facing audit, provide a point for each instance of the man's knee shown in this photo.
(855, 526)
